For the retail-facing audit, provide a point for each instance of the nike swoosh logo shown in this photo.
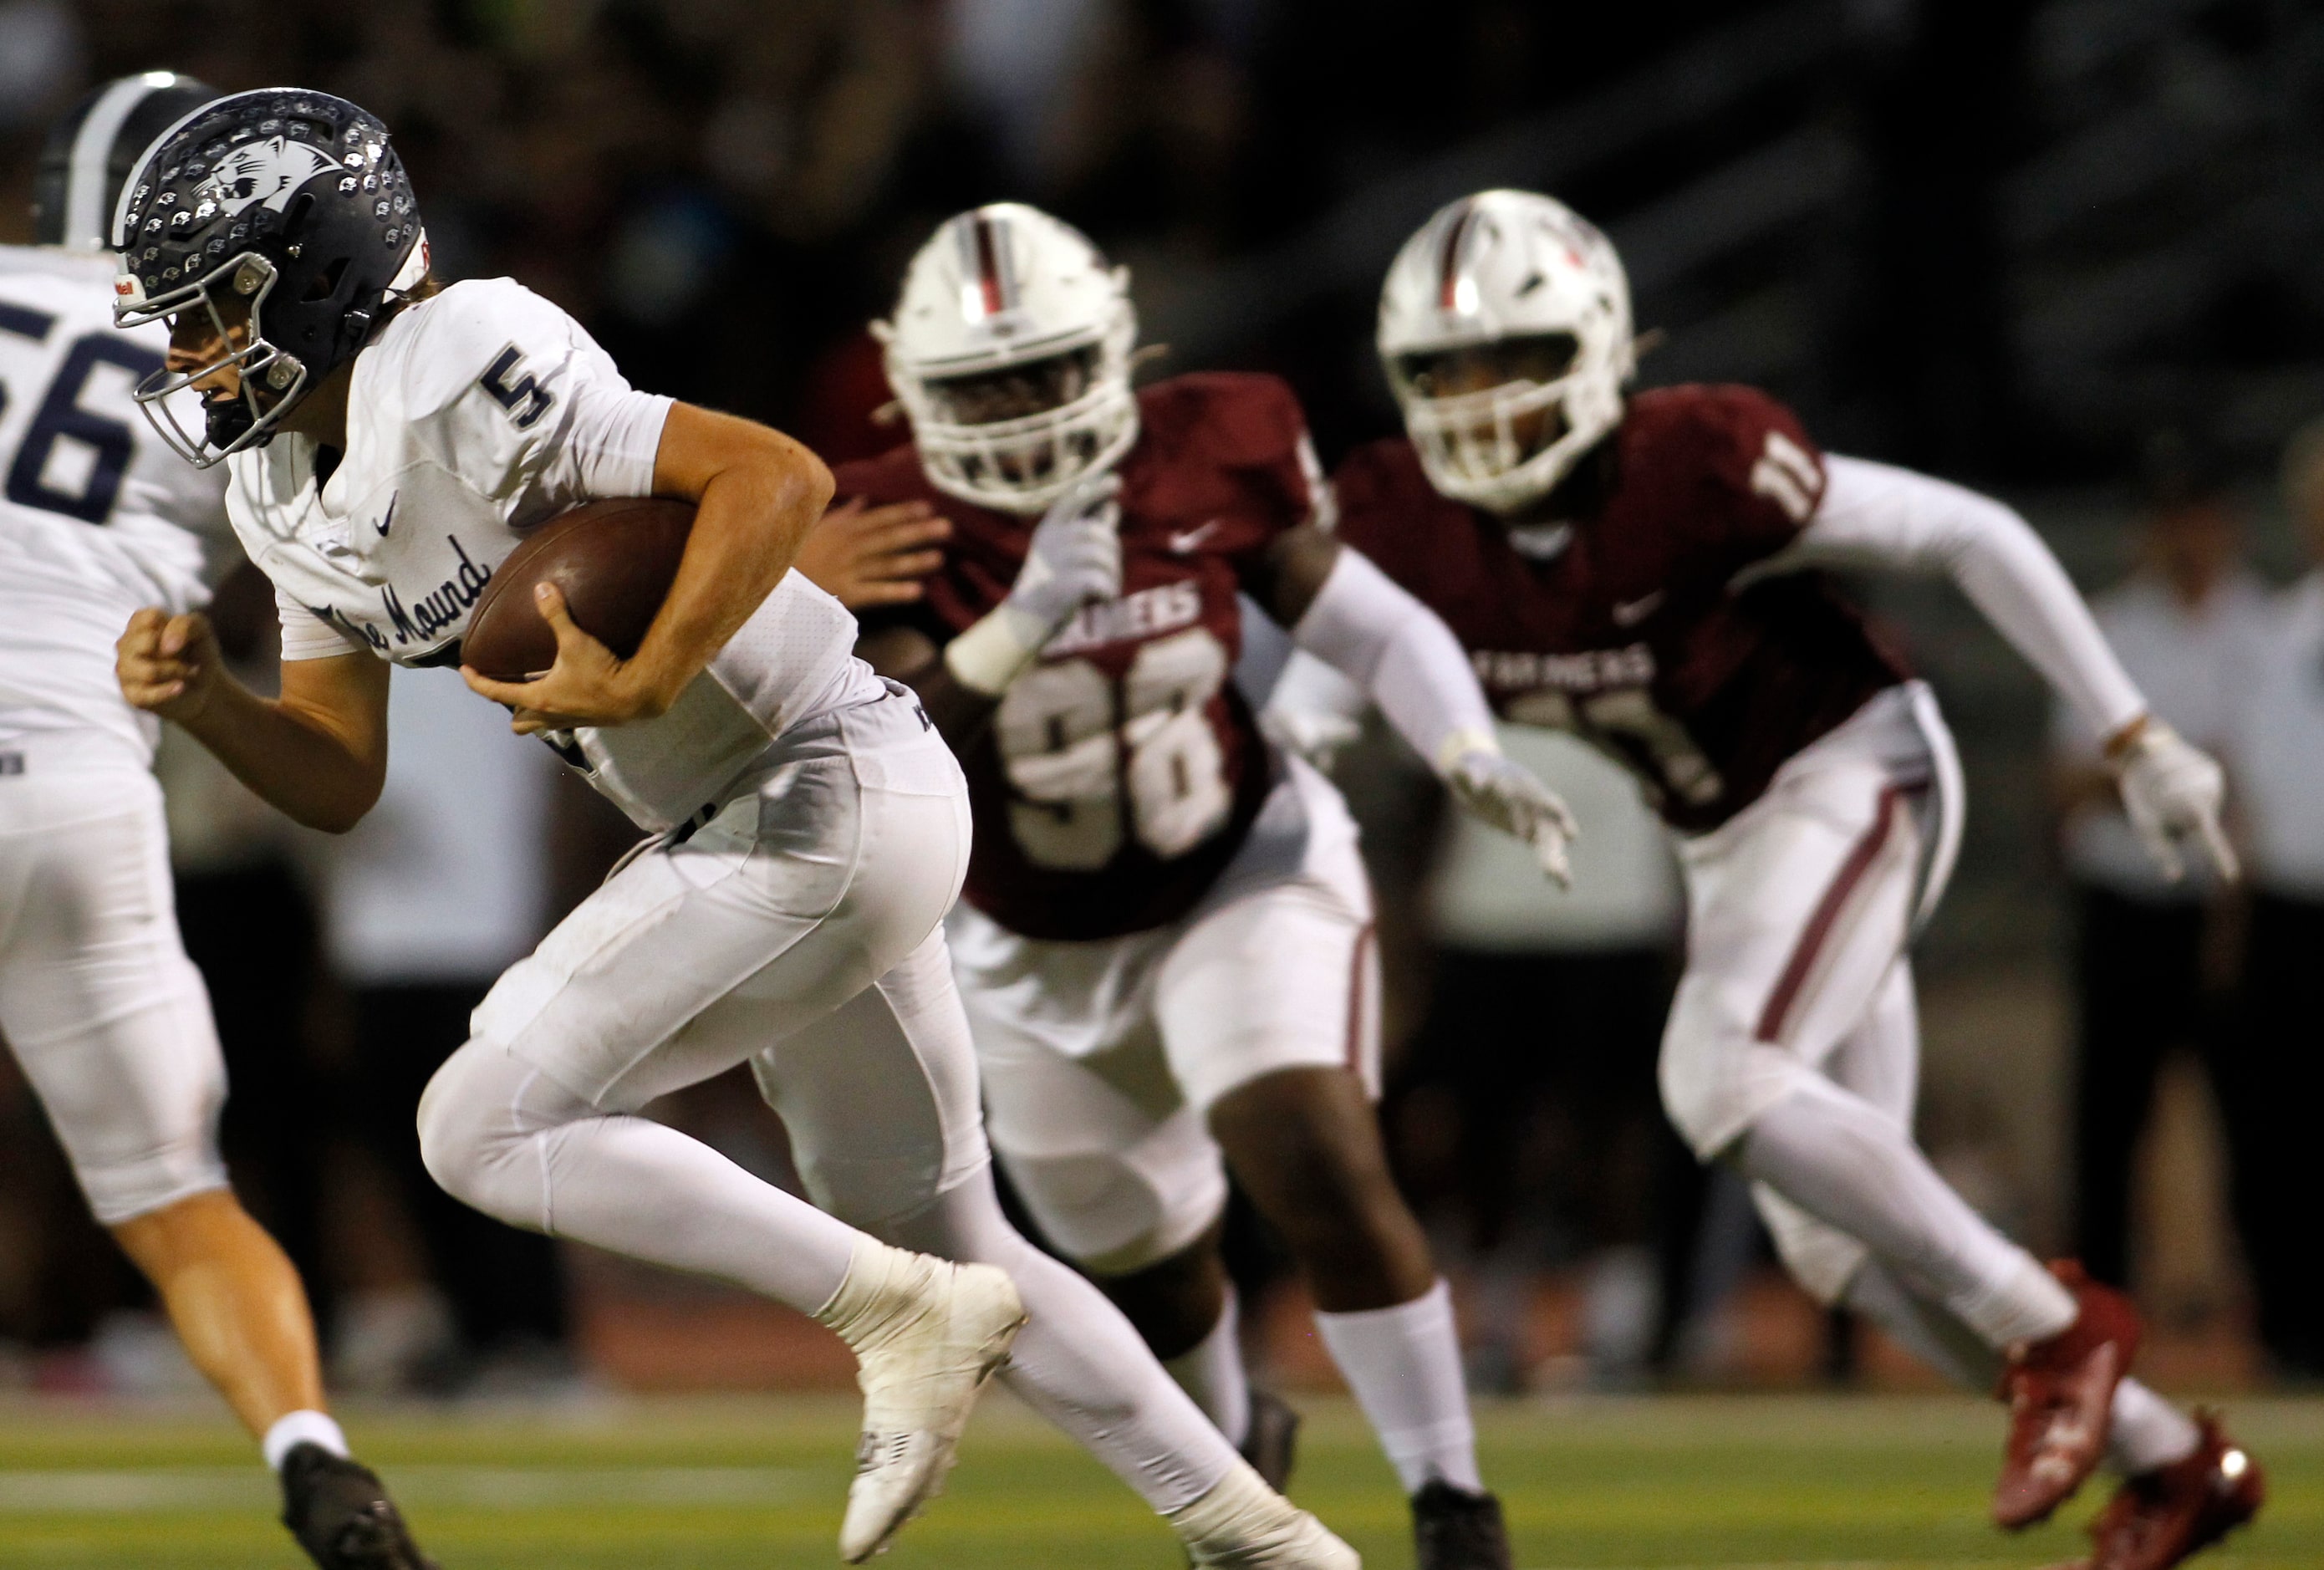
(1631, 613)
(1185, 542)
(389, 517)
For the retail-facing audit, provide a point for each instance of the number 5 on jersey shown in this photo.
(1093, 759)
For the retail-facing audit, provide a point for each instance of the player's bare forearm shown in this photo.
(756, 494)
(960, 714)
(1288, 576)
(318, 754)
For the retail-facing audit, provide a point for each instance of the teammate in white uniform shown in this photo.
(390, 443)
(105, 1014)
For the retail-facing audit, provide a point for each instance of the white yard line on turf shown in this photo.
(178, 1488)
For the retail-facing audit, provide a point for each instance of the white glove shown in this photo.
(2172, 792)
(1075, 556)
(1507, 795)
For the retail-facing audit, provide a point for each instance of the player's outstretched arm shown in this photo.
(1878, 516)
(318, 752)
(1353, 616)
(756, 494)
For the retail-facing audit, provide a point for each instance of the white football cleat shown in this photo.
(1243, 1524)
(927, 1335)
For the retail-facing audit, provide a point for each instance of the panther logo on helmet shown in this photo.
(262, 173)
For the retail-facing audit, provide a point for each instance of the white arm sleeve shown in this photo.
(308, 636)
(1878, 516)
(1379, 636)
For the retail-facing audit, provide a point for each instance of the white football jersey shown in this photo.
(96, 517)
(474, 417)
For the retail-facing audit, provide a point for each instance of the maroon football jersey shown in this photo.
(1122, 770)
(1634, 636)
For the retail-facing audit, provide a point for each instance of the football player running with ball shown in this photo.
(1166, 946)
(1641, 571)
(106, 1015)
(390, 441)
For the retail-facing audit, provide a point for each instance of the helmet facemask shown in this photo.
(1483, 412)
(1019, 436)
(270, 382)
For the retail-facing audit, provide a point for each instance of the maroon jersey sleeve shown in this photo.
(1728, 470)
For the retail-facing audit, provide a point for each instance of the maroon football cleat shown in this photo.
(2161, 1518)
(2060, 1395)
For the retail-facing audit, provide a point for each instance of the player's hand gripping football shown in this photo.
(1507, 795)
(1074, 556)
(2172, 792)
(873, 556)
(168, 665)
(587, 686)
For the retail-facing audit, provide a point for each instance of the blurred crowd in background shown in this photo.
(2064, 249)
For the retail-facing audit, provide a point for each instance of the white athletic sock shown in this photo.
(1924, 1329)
(1845, 1162)
(863, 1301)
(1403, 1365)
(1077, 1362)
(306, 1426)
(1211, 1371)
(2145, 1431)
(2148, 1432)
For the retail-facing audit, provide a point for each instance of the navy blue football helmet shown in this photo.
(288, 204)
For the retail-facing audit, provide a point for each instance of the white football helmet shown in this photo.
(1009, 351)
(1505, 327)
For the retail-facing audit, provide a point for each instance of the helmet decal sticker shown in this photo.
(264, 173)
(994, 289)
(1450, 296)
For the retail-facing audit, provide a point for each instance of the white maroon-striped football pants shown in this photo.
(1799, 910)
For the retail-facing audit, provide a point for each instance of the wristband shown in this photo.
(1451, 750)
(994, 653)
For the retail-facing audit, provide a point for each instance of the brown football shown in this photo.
(615, 561)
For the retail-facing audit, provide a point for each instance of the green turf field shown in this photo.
(1704, 1482)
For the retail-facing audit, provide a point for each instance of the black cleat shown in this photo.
(1454, 1529)
(339, 1511)
(1273, 1439)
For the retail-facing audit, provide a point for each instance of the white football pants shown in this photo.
(106, 1016)
(799, 932)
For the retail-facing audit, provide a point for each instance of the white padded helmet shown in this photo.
(1498, 268)
(1009, 351)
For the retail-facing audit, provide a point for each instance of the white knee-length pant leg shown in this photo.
(694, 957)
(1799, 910)
(106, 1016)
